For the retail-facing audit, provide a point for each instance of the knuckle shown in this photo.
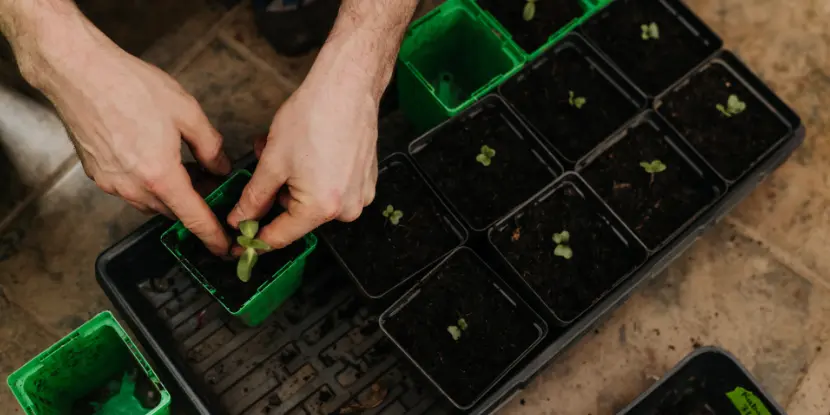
(331, 207)
(351, 214)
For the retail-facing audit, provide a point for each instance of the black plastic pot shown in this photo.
(655, 206)
(541, 95)
(653, 64)
(296, 31)
(567, 287)
(372, 248)
(708, 381)
(482, 194)
(463, 328)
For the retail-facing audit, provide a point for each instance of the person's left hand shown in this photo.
(321, 150)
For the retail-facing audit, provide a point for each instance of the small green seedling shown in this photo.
(650, 31)
(656, 166)
(575, 101)
(393, 215)
(734, 106)
(529, 11)
(247, 240)
(455, 331)
(486, 155)
(561, 240)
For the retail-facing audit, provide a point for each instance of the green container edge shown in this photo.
(271, 294)
(105, 318)
(509, 48)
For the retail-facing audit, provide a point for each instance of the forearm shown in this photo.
(44, 34)
(365, 40)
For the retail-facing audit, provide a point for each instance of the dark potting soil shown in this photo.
(550, 16)
(381, 255)
(654, 206)
(221, 272)
(498, 332)
(543, 97)
(653, 64)
(483, 194)
(731, 144)
(600, 257)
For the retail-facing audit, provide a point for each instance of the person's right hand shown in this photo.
(127, 120)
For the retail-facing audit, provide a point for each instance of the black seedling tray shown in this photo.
(323, 349)
(709, 381)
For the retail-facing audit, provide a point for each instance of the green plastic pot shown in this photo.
(86, 360)
(274, 291)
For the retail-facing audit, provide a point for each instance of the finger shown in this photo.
(177, 193)
(290, 226)
(370, 184)
(141, 199)
(204, 141)
(258, 195)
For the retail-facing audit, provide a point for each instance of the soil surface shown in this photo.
(550, 16)
(731, 144)
(543, 97)
(653, 206)
(221, 272)
(483, 194)
(600, 257)
(381, 255)
(653, 64)
(497, 333)
(129, 391)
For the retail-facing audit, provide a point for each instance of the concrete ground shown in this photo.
(758, 284)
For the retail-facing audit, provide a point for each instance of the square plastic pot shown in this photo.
(98, 356)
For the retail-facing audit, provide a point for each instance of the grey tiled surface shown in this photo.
(756, 284)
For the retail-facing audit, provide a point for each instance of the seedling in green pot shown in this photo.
(486, 155)
(529, 11)
(652, 168)
(734, 106)
(561, 240)
(393, 215)
(247, 240)
(575, 101)
(455, 331)
(650, 31)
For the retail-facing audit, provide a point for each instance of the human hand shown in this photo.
(320, 155)
(127, 120)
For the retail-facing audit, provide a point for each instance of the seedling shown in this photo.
(734, 106)
(529, 10)
(393, 215)
(455, 331)
(650, 31)
(247, 240)
(575, 101)
(561, 240)
(486, 155)
(652, 168)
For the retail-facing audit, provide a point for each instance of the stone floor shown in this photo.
(758, 284)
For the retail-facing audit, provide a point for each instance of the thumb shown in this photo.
(204, 141)
(258, 194)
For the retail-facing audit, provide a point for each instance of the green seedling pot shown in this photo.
(449, 59)
(273, 292)
(99, 355)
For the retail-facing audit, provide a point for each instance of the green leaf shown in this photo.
(563, 251)
(249, 228)
(395, 218)
(462, 324)
(259, 245)
(655, 166)
(388, 211)
(529, 11)
(454, 332)
(579, 102)
(562, 237)
(487, 151)
(735, 105)
(244, 241)
(746, 402)
(246, 264)
(483, 159)
(654, 30)
(723, 110)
